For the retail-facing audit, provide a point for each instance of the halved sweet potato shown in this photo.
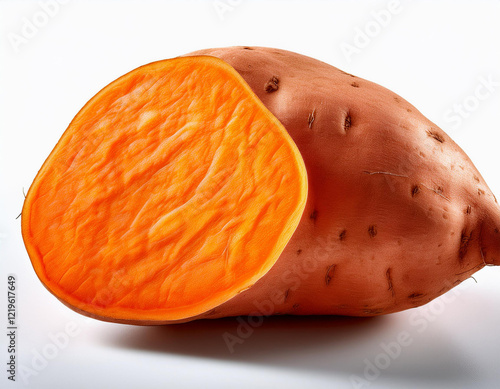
(174, 191)
(171, 191)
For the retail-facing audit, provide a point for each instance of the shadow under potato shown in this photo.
(330, 345)
(246, 338)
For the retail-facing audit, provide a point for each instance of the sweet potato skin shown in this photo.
(397, 214)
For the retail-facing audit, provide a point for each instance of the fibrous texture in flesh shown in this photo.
(171, 191)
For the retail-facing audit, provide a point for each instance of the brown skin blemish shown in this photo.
(415, 295)
(433, 134)
(314, 215)
(415, 190)
(299, 251)
(375, 311)
(311, 117)
(330, 270)
(347, 122)
(286, 295)
(480, 192)
(342, 234)
(408, 110)
(465, 239)
(397, 99)
(372, 230)
(355, 84)
(476, 178)
(468, 210)
(272, 84)
(296, 306)
(445, 216)
(389, 281)
(347, 74)
(248, 48)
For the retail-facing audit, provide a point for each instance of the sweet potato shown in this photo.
(396, 213)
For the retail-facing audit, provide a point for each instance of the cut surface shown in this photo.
(170, 192)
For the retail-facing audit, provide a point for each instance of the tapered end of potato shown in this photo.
(171, 191)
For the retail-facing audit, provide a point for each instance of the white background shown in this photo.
(434, 54)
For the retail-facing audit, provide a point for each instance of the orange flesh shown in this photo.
(171, 191)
